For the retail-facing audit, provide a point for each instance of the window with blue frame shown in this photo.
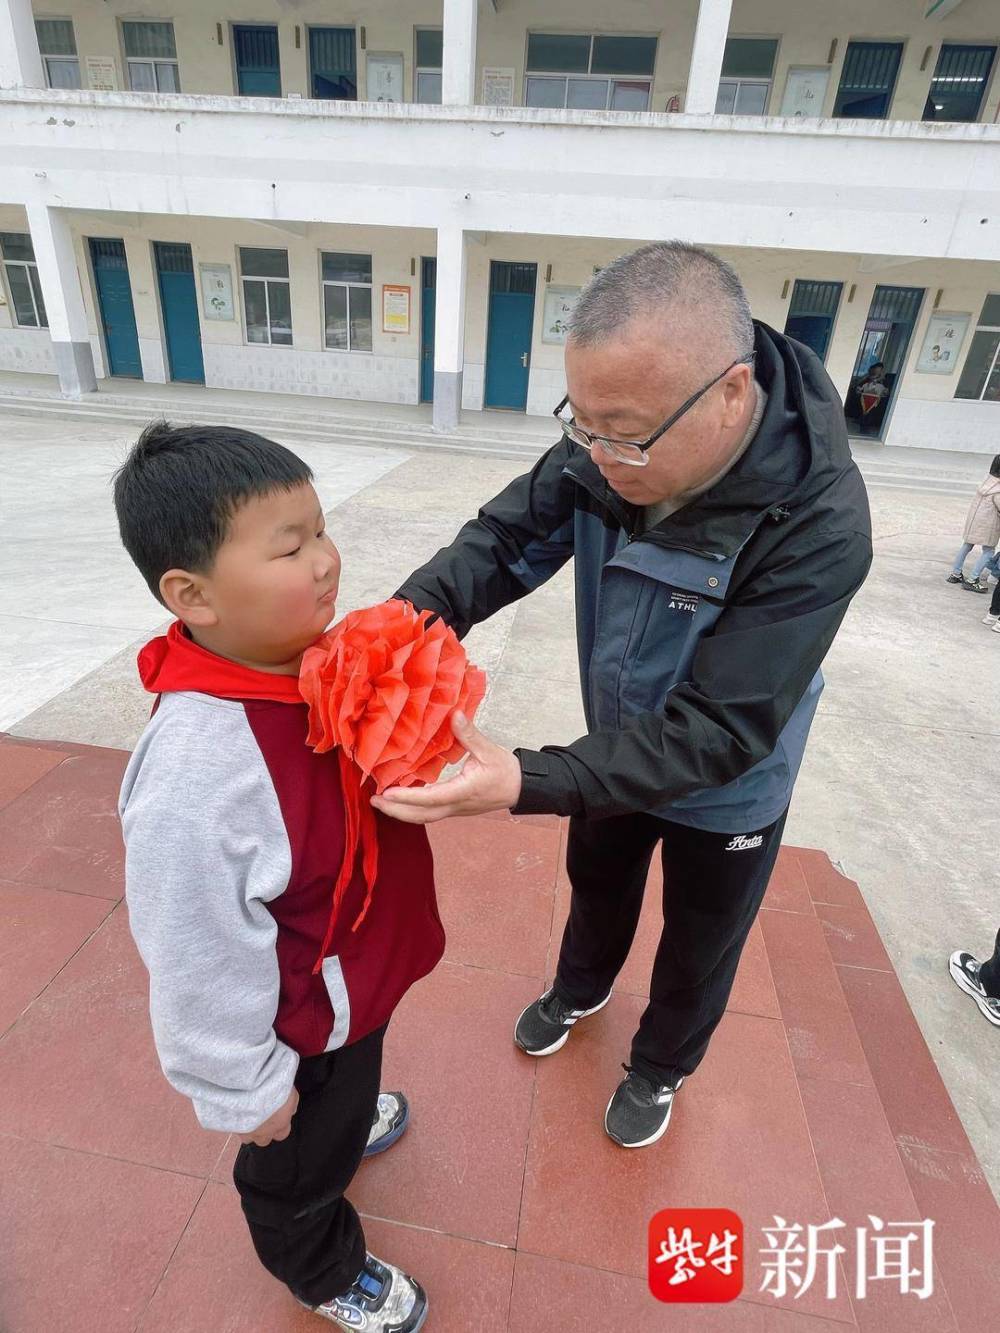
(868, 80)
(333, 70)
(959, 84)
(812, 312)
(258, 67)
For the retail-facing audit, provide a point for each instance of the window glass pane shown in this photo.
(17, 245)
(141, 77)
(867, 80)
(166, 78)
(255, 305)
(361, 318)
(991, 394)
(959, 82)
(429, 88)
(36, 287)
(587, 94)
(725, 102)
(332, 61)
(630, 96)
(280, 301)
(751, 99)
(20, 293)
(56, 37)
(150, 39)
(257, 263)
(749, 57)
(990, 315)
(429, 48)
(977, 364)
(545, 92)
(558, 52)
(339, 267)
(624, 55)
(63, 73)
(335, 315)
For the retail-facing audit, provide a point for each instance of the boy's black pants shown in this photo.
(713, 884)
(304, 1231)
(989, 972)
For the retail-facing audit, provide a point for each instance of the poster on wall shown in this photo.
(395, 308)
(102, 74)
(805, 91)
(384, 81)
(559, 303)
(217, 291)
(498, 86)
(942, 343)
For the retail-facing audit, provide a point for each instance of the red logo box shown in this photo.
(696, 1255)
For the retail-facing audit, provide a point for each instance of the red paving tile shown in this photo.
(821, 1032)
(723, 1148)
(818, 1098)
(459, 1166)
(88, 1240)
(21, 768)
(39, 931)
(495, 886)
(80, 1070)
(63, 832)
(550, 1296)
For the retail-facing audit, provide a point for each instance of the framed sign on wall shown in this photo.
(805, 90)
(395, 308)
(942, 343)
(217, 291)
(384, 76)
(559, 303)
(498, 86)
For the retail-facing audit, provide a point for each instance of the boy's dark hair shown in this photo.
(178, 489)
(995, 466)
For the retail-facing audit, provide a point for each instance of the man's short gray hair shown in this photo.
(666, 277)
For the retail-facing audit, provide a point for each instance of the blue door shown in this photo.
(333, 64)
(812, 312)
(508, 339)
(179, 305)
(258, 70)
(428, 270)
(114, 295)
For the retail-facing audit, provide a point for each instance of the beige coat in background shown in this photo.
(982, 523)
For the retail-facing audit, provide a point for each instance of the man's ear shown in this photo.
(737, 388)
(187, 596)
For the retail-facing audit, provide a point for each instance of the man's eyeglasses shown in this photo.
(636, 452)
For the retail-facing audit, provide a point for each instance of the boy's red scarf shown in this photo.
(174, 662)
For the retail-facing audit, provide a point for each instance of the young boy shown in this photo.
(234, 835)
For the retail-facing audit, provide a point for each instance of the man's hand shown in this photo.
(276, 1126)
(490, 779)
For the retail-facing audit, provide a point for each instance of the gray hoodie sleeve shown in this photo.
(206, 850)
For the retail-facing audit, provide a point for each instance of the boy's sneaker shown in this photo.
(996, 628)
(990, 618)
(639, 1112)
(955, 577)
(545, 1025)
(977, 585)
(392, 1115)
(383, 1299)
(965, 973)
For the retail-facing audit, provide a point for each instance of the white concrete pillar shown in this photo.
(449, 328)
(57, 272)
(20, 63)
(458, 73)
(706, 56)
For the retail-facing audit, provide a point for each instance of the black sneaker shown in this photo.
(955, 577)
(392, 1115)
(639, 1112)
(965, 973)
(976, 585)
(544, 1026)
(382, 1300)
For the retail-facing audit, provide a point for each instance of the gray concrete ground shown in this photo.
(900, 781)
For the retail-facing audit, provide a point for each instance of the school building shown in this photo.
(400, 202)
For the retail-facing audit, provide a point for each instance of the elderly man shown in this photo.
(720, 529)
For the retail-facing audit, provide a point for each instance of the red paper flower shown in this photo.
(382, 686)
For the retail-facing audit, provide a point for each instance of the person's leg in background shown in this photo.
(979, 980)
(992, 616)
(979, 577)
(956, 575)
